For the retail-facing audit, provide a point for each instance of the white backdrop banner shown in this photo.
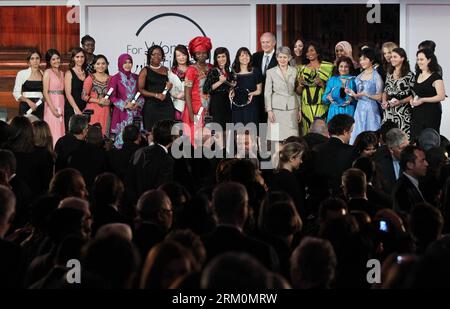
(133, 29)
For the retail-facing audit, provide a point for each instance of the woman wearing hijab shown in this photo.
(344, 49)
(125, 85)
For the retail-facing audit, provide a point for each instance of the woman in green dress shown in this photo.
(310, 85)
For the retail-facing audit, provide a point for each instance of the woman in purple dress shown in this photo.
(125, 87)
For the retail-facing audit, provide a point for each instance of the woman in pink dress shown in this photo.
(53, 91)
(95, 89)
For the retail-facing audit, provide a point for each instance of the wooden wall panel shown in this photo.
(266, 20)
(43, 27)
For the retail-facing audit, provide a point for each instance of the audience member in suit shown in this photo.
(318, 133)
(332, 158)
(387, 157)
(374, 192)
(90, 158)
(284, 179)
(155, 217)
(107, 193)
(406, 192)
(66, 145)
(34, 164)
(119, 159)
(230, 204)
(152, 166)
(354, 186)
(12, 263)
(19, 188)
(265, 60)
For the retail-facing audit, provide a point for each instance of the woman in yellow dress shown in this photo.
(310, 85)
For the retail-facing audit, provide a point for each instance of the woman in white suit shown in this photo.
(282, 103)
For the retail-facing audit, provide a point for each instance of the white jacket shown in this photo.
(21, 78)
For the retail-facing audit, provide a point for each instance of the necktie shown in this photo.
(266, 64)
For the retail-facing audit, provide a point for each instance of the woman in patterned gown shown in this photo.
(398, 91)
(310, 85)
(125, 85)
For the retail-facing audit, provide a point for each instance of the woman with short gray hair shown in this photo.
(281, 102)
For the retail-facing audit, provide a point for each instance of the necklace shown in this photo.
(156, 68)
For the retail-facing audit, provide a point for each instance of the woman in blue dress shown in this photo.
(370, 89)
(337, 92)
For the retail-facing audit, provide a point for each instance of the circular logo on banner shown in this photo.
(168, 30)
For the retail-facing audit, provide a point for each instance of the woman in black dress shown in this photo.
(248, 88)
(154, 85)
(73, 85)
(217, 85)
(28, 86)
(428, 92)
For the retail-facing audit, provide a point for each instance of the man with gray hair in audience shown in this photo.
(82, 205)
(66, 145)
(318, 133)
(388, 157)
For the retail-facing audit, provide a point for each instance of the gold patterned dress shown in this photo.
(312, 105)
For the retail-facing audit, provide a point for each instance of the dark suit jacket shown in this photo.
(64, 147)
(146, 236)
(314, 139)
(405, 195)
(378, 197)
(383, 159)
(119, 159)
(227, 238)
(364, 205)
(330, 160)
(91, 160)
(150, 167)
(286, 181)
(258, 60)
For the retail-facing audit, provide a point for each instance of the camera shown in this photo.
(383, 226)
(87, 113)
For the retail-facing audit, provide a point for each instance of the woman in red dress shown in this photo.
(196, 101)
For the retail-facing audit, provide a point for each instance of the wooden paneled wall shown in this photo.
(43, 27)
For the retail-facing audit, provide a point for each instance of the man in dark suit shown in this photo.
(66, 145)
(264, 60)
(152, 166)
(406, 192)
(155, 217)
(387, 158)
(318, 133)
(354, 186)
(230, 204)
(332, 158)
(11, 258)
